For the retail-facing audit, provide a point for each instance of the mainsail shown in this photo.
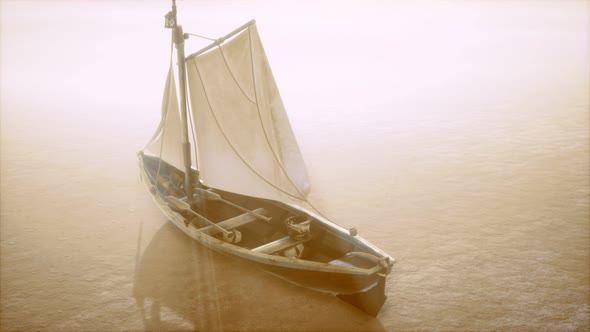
(244, 140)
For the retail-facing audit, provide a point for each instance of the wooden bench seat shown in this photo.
(278, 245)
(234, 222)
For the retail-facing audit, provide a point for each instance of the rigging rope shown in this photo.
(194, 34)
(231, 145)
(264, 129)
(234, 78)
(255, 102)
(167, 98)
(191, 120)
(262, 123)
(167, 109)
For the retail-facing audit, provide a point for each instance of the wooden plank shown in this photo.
(278, 245)
(234, 222)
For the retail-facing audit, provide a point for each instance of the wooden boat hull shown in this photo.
(361, 285)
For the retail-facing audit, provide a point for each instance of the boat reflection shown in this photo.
(181, 285)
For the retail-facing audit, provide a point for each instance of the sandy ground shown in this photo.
(453, 136)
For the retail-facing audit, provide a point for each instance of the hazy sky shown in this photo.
(115, 54)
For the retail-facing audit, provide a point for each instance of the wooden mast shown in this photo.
(178, 39)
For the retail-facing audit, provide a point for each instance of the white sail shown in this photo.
(167, 142)
(244, 139)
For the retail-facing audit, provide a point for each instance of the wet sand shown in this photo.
(454, 137)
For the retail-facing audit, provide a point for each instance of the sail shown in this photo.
(244, 139)
(167, 141)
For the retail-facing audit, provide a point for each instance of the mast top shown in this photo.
(170, 18)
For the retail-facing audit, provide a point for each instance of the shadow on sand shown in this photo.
(181, 285)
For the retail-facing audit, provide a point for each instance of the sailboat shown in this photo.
(225, 168)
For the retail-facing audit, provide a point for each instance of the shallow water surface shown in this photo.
(454, 136)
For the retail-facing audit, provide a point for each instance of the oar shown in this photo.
(216, 197)
(185, 207)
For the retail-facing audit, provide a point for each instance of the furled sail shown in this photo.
(167, 142)
(244, 139)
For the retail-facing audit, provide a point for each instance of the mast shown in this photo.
(178, 39)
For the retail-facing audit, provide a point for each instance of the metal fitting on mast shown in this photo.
(170, 18)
